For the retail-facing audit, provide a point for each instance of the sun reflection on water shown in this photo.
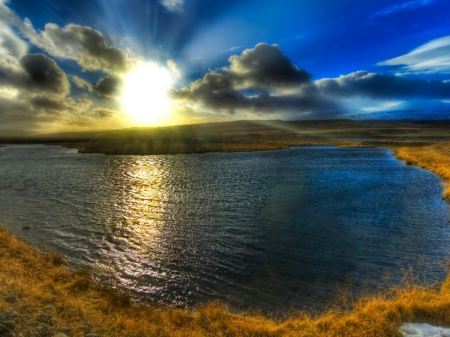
(145, 198)
(135, 241)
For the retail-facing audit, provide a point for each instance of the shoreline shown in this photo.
(40, 295)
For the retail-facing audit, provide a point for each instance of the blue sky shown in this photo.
(400, 40)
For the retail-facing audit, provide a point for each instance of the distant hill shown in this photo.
(414, 110)
(16, 133)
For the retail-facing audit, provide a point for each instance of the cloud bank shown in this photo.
(382, 86)
(262, 80)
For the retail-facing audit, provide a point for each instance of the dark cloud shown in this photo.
(381, 86)
(265, 67)
(232, 101)
(34, 73)
(277, 84)
(105, 113)
(43, 74)
(108, 86)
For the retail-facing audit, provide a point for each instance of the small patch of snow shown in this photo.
(423, 330)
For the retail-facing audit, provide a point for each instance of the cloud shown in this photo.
(108, 86)
(381, 86)
(34, 91)
(82, 84)
(10, 44)
(432, 57)
(406, 6)
(172, 5)
(276, 86)
(265, 67)
(34, 74)
(174, 68)
(41, 112)
(263, 81)
(105, 113)
(84, 45)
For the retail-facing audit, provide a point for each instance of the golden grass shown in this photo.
(41, 282)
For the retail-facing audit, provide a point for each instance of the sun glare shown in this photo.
(144, 96)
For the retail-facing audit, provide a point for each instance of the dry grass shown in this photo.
(33, 282)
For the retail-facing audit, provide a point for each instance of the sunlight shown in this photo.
(144, 97)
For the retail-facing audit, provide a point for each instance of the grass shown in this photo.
(41, 282)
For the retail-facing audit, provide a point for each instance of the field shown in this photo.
(242, 136)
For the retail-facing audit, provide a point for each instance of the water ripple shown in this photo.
(267, 229)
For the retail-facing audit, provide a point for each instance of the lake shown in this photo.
(270, 230)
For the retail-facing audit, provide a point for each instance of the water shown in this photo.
(265, 229)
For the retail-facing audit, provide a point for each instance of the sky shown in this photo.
(69, 65)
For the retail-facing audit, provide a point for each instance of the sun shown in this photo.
(145, 93)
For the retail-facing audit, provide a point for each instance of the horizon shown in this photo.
(95, 65)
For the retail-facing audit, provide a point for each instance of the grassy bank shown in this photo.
(429, 155)
(433, 157)
(34, 283)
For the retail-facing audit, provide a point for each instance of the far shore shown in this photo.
(243, 136)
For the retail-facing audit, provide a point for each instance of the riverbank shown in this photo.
(40, 295)
(429, 155)
(433, 157)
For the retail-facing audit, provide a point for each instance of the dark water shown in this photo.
(263, 229)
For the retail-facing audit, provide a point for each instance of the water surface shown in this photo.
(263, 229)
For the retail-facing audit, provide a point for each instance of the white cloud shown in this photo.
(10, 44)
(172, 5)
(431, 58)
(406, 6)
(174, 68)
